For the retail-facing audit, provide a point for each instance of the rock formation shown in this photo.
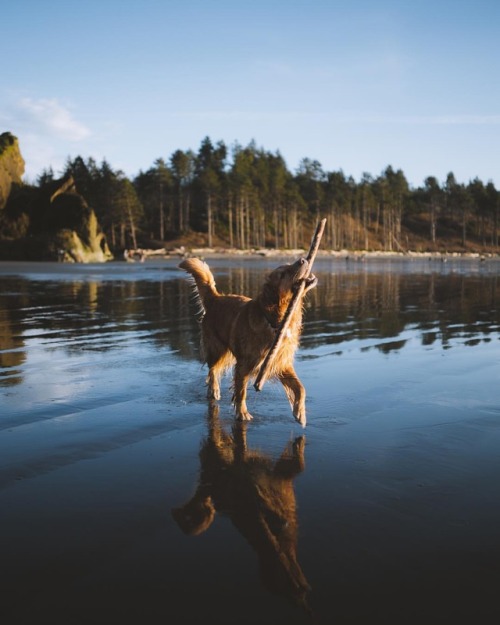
(77, 234)
(49, 222)
(11, 166)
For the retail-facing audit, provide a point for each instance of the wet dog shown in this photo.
(237, 330)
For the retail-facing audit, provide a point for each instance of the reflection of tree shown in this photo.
(11, 356)
(379, 305)
(88, 314)
(367, 304)
(258, 497)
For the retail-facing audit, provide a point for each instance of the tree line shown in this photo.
(246, 197)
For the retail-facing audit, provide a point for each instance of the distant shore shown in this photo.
(216, 252)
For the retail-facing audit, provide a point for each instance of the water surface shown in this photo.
(126, 498)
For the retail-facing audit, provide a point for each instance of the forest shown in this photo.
(246, 197)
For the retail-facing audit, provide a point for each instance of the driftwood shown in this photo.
(294, 302)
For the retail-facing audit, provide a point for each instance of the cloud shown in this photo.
(422, 120)
(47, 130)
(463, 120)
(49, 116)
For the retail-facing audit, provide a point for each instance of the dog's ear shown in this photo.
(270, 289)
(275, 282)
(196, 516)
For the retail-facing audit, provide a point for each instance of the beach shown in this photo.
(385, 508)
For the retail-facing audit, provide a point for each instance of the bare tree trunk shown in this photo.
(209, 217)
(276, 228)
(247, 221)
(230, 225)
(293, 228)
(132, 226)
(243, 233)
(180, 210)
(187, 209)
(495, 227)
(242, 223)
(171, 216)
(365, 223)
(162, 220)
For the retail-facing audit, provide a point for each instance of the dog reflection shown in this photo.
(257, 494)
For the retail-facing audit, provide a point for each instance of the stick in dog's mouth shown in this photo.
(306, 266)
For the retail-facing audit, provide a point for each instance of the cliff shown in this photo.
(11, 166)
(49, 222)
(77, 234)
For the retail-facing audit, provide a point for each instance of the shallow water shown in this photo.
(125, 498)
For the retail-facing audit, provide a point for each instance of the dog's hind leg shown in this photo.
(296, 393)
(218, 364)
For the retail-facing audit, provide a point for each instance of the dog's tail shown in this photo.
(205, 282)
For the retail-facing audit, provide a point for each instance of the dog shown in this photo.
(237, 330)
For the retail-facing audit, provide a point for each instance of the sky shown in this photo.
(354, 84)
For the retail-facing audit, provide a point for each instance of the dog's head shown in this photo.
(287, 278)
(195, 516)
(282, 283)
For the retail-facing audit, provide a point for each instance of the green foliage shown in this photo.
(247, 197)
(7, 140)
(14, 227)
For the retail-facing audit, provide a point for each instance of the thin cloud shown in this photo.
(49, 116)
(422, 120)
(339, 118)
(473, 120)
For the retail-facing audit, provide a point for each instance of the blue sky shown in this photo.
(355, 84)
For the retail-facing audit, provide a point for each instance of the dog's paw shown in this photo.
(213, 393)
(299, 445)
(244, 415)
(300, 416)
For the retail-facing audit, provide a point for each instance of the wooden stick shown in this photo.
(294, 302)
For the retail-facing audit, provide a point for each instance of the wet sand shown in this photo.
(125, 498)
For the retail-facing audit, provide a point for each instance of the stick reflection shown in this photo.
(258, 496)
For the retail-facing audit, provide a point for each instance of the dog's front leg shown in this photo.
(213, 386)
(240, 394)
(292, 460)
(296, 394)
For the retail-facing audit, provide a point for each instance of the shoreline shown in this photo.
(216, 252)
(142, 255)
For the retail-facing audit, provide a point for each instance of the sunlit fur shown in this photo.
(237, 330)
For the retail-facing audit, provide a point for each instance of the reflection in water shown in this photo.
(77, 316)
(377, 309)
(12, 355)
(99, 399)
(376, 306)
(258, 497)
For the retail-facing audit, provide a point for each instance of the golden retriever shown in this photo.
(238, 330)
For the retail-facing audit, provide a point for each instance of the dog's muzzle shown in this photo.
(301, 267)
